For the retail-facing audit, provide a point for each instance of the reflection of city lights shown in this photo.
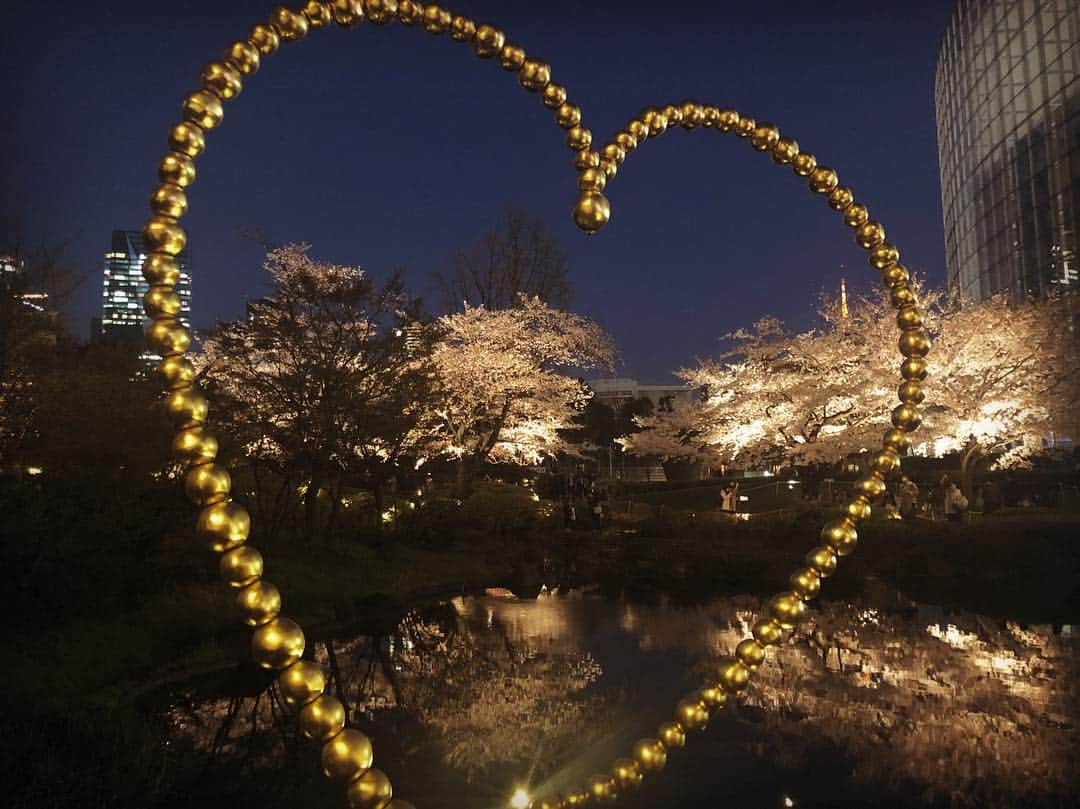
(788, 802)
(520, 799)
(34, 470)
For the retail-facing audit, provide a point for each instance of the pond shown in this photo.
(879, 701)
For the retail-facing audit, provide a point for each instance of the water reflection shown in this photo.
(471, 696)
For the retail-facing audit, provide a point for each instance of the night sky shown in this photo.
(390, 147)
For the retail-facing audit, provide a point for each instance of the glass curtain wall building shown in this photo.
(122, 317)
(1008, 117)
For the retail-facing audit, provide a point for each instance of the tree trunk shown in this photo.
(465, 469)
(968, 461)
(380, 502)
(311, 507)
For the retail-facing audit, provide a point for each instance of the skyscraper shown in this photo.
(1008, 117)
(122, 317)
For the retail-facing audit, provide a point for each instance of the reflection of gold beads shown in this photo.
(259, 602)
(750, 652)
(840, 198)
(787, 609)
(289, 24)
(650, 754)
(161, 234)
(178, 169)
(178, 372)
(241, 566)
(910, 393)
(765, 137)
(841, 536)
(768, 632)
(734, 675)
(302, 682)
(243, 56)
(592, 211)
(322, 719)
(278, 643)
(627, 773)
(691, 713)
(169, 200)
(913, 368)
(906, 417)
(223, 80)
(207, 483)
(224, 525)
(870, 234)
(187, 138)
(823, 559)
(803, 164)
(347, 755)
(534, 74)
(372, 790)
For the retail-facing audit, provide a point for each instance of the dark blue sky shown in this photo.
(389, 147)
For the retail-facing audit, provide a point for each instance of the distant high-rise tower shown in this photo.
(844, 314)
(122, 317)
(1008, 118)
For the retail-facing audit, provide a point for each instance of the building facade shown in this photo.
(122, 316)
(1008, 117)
(615, 392)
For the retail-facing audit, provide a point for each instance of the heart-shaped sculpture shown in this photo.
(277, 642)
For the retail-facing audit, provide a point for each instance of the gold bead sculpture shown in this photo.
(277, 642)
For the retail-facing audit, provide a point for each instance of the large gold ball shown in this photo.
(347, 13)
(840, 198)
(162, 235)
(841, 536)
(787, 609)
(692, 713)
(714, 697)
(437, 20)
(896, 440)
(727, 120)
(169, 200)
(302, 682)
(672, 735)
(322, 718)
(906, 417)
(784, 151)
(161, 269)
(177, 371)
(578, 138)
(381, 12)
(222, 79)
(768, 632)
(207, 483)
(895, 276)
(803, 164)
(914, 343)
(910, 393)
(243, 56)
(167, 337)
(869, 235)
(276, 644)
(410, 12)
(224, 525)
(568, 115)
(586, 159)
(318, 13)
(534, 74)
(289, 24)
(913, 368)
(242, 566)
(347, 755)
(592, 211)
(372, 790)
(750, 652)
(823, 180)
(884, 462)
(187, 138)
(650, 754)
(178, 169)
(693, 115)
(638, 130)
(857, 510)
(673, 114)
(856, 215)
(512, 57)
(614, 152)
(655, 120)
(204, 109)
(259, 602)
(626, 142)
(765, 137)
(462, 29)
(883, 256)
(805, 583)
(592, 180)
(488, 41)
(870, 486)
(554, 96)
(627, 773)
(745, 128)
(735, 676)
(194, 444)
(265, 39)
(823, 559)
(161, 303)
(909, 318)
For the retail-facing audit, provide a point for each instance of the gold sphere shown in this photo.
(568, 115)
(823, 180)
(278, 643)
(534, 74)
(857, 510)
(187, 138)
(169, 200)
(884, 462)
(318, 13)
(381, 12)
(714, 697)
(592, 180)
(462, 29)
(372, 790)
(840, 198)
(592, 211)
(910, 393)
(601, 788)
(578, 138)
(178, 169)
(265, 39)
(895, 276)
(437, 20)
(512, 57)
(869, 235)
(223, 80)
(609, 167)
(691, 713)
(901, 296)
(178, 372)
(290, 25)
(727, 120)
(896, 440)
(614, 152)
(734, 675)
(586, 159)
(243, 57)
(207, 483)
(162, 235)
(638, 130)
(673, 114)
(554, 96)
(883, 256)
(488, 41)
(302, 682)
(194, 444)
(805, 583)
(751, 652)
(224, 525)
(627, 773)
(161, 269)
(765, 137)
(907, 418)
(913, 368)
(161, 303)
(672, 735)
(768, 632)
(650, 754)
(167, 337)
(693, 115)
(803, 164)
(347, 755)
(347, 13)
(784, 151)
(241, 566)
(870, 486)
(322, 718)
(626, 142)
(204, 109)
(712, 116)
(909, 318)
(410, 12)
(259, 602)
(655, 120)
(823, 559)
(745, 127)
(914, 343)
(787, 609)
(856, 215)
(841, 536)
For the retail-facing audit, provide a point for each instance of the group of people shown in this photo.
(948, 500)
